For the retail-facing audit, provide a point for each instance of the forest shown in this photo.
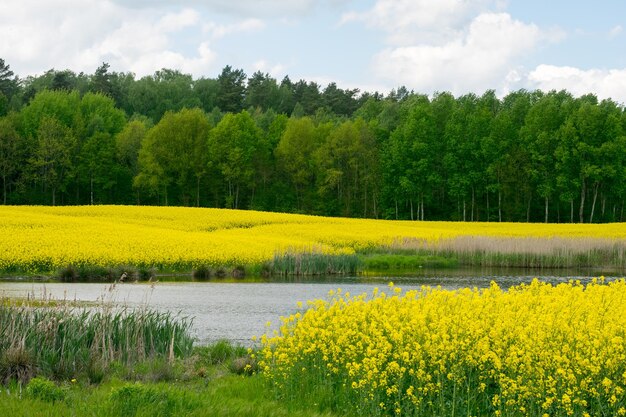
(253, 142)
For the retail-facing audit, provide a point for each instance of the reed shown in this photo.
(61, 341)
(527, 252)
(313, 263)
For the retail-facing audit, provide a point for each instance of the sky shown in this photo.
(428, 46)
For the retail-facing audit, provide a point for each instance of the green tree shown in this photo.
(262, 92)
(63, 106)
(127, 145)
(174, 153)
(233, 146)
(232, 89)
(207, 91)
(52, 162)
(540, 137)
(166, 90)
(11, 154)
(295, 157)
(348, 164)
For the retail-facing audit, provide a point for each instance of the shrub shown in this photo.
(239, 272)
(145, 274)
(45, 390)
(16, 363)
(244, 365)
(202, 272)
(68, 274)
(130, 399)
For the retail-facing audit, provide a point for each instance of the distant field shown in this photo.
(41, 239)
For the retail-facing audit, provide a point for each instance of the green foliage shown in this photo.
(225, 395)
(235, 144)
(302, 147)
(174, 153)
(220, 352)
(401, 262)
(45, 390)
(137, 399)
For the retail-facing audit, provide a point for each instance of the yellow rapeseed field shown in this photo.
(46, 238)
(534, 350)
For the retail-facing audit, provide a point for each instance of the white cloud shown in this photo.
(81, 34)
(246, 8)
(172, 22)
(409, 21)
(615, 31)
(277, 70)
(143, 45)
(220, 30)
(479, 58)
(604, 83)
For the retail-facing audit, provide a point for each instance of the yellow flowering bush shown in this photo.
(534, 350)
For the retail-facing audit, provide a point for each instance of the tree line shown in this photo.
(254, 143)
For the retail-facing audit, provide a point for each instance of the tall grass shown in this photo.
(61, 341)
(313, 263)
(526, 252)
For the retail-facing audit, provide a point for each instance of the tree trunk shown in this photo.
(4, 189)
(396, 200)
(473, 201)
(54, 196)
(581, 209)
(488, 210)
(77, 188)
(411, 200)
(571, 210)
(614, 208)
(593, 204)
(499, 205)
(365, 202)
(375, 206)
(197, 191)
(91, 190)
(603, 205)
(463, 209)
(547, 211)
(422, 207)
(528, 209)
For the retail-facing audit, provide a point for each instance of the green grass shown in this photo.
(390, 262)
(201, 384)
(229, 395)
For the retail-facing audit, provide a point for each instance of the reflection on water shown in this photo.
(240, 310)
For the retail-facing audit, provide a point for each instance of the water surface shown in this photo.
(239, 310)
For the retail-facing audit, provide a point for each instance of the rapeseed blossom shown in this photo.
(533, 350)
(47, 238)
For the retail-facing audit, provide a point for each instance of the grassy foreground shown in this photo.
(226, 395)
(107, 241)
(60, 359)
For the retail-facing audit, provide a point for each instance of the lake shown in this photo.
(239, 310)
